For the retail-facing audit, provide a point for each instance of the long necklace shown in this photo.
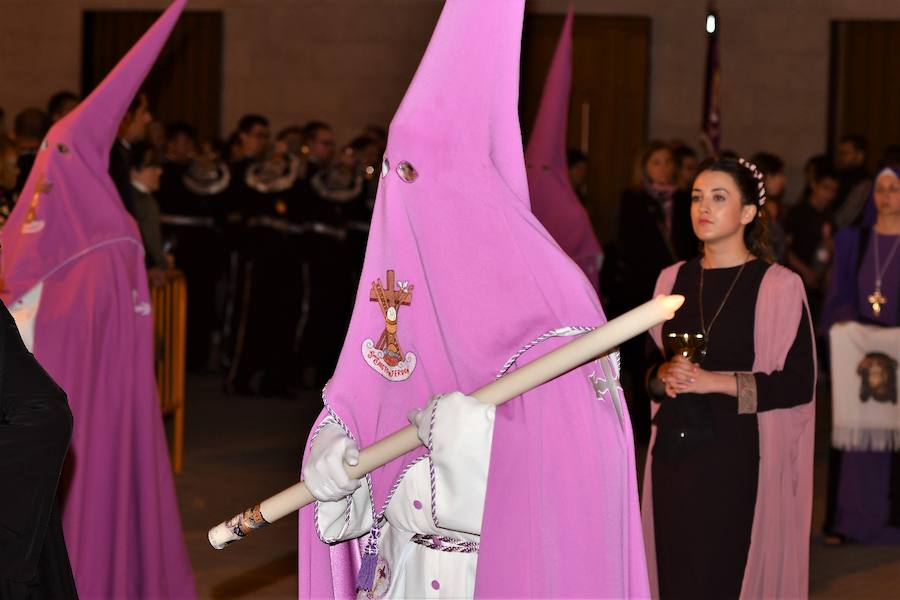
(876, 298)
(706, 329)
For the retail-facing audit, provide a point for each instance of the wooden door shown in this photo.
(865, 84)
(186, 81)
(608, 109)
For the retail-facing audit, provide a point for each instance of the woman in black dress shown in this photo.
(705, 458)
(35, 427)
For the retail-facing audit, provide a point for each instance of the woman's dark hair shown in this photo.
(756, 233)
(770, 164)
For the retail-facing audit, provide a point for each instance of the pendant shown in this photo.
(877, 300)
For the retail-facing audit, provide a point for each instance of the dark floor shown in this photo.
(239, 451)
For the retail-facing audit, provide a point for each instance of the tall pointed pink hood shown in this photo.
(92, 332)
(553, 199)
(69, 204)
(459, 275)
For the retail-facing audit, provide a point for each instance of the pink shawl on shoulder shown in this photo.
(778, 561)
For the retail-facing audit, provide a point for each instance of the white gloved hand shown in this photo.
(421, 419)
(323, 472)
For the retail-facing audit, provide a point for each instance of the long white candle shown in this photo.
(551, 365)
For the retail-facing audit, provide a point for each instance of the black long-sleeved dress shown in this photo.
(706, 455)
(35, 428)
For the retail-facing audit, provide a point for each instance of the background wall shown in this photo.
(775, 68)
(349, 61)
(345, 61)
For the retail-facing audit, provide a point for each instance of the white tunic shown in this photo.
(458, 461)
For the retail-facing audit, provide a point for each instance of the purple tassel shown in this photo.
(366, 578)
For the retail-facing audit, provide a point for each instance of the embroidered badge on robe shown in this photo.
(141, 308)
(387, 356)
(32, 223)
(605, 379)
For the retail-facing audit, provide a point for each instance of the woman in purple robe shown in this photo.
(864, 486)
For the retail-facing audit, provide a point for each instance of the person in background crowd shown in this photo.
(146, 171)
(577, 161)
(61, 104)
(28, 130)
(156, 136)
(249, 143)
(294, 139)
(654, 232)
(686, 161)
(271, 284)
(337, 197)
(854, 182)
(366, 157)
(180, 144)
(810, 167)
(320, 139)
(192, 197)
(246, 146)
(379, 134)
(9, 175)
(863, 499)
(890, 159)
(775, 180)
(2, 121)
(809, 235)
(850, 159)
(132, 129)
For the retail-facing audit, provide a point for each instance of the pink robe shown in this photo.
(480, 278)
(553, 199)
(74, 262)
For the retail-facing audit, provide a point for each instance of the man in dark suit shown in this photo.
(133, 128)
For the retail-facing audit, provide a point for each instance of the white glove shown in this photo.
(421, 419)
(323, 472)
(464, 407)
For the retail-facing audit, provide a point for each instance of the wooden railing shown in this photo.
(169, 333)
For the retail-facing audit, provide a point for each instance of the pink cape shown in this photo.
(480, 278)
(778, 561)
(93, 334)
(553, 200)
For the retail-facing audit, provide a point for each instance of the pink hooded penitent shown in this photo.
(459, 275)
(553, 199)
(70, 239)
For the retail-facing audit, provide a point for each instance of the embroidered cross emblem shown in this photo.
(606, 382)
(390, 298)
(41, 187)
